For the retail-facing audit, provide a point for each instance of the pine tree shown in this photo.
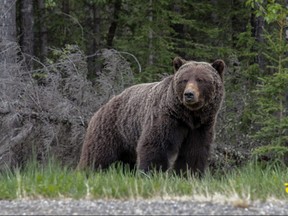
(271, 114)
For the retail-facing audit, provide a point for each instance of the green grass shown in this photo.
(54, 181)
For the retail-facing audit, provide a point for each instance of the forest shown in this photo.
(60, 60)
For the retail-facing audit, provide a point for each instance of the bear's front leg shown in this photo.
(194, 153)
(150, 155)
(149, 159)
(159, 143)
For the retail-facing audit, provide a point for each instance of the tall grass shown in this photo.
(55, 181)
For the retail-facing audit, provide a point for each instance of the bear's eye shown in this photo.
(183, 81)
(199, 80)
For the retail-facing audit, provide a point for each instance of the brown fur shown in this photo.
(155, 125)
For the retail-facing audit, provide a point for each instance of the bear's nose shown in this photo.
(189, 95)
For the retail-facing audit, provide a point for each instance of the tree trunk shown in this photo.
(7, 35)
(260, 39)
(8, 20)
(114, 23)
(179, 29)
(93, 20)
(258, 24)
(286, 96)
(66, 6)
(150, 34)
(27, 34)
(286, 30)
(43, 31)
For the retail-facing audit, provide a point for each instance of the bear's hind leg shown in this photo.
(99, 154)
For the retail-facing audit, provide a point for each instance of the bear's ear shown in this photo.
(219, 65)
(177, 63)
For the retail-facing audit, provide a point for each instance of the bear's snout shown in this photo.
(191, 94)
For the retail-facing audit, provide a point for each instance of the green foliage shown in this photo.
(273, 11)
(271, 115)
(273, 151)
(155, 31)
(144, 30)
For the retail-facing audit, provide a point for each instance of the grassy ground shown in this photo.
(53, 181)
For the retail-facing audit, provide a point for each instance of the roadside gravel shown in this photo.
(138, 207)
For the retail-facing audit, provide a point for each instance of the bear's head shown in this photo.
(198, 83)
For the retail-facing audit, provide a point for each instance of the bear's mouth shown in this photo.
(193, 104)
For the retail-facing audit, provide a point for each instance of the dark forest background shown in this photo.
(60, 60)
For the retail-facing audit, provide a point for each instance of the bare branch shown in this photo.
(47, 110)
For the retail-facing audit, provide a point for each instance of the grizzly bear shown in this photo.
(160, 125)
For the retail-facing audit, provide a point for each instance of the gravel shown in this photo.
(138, 207)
